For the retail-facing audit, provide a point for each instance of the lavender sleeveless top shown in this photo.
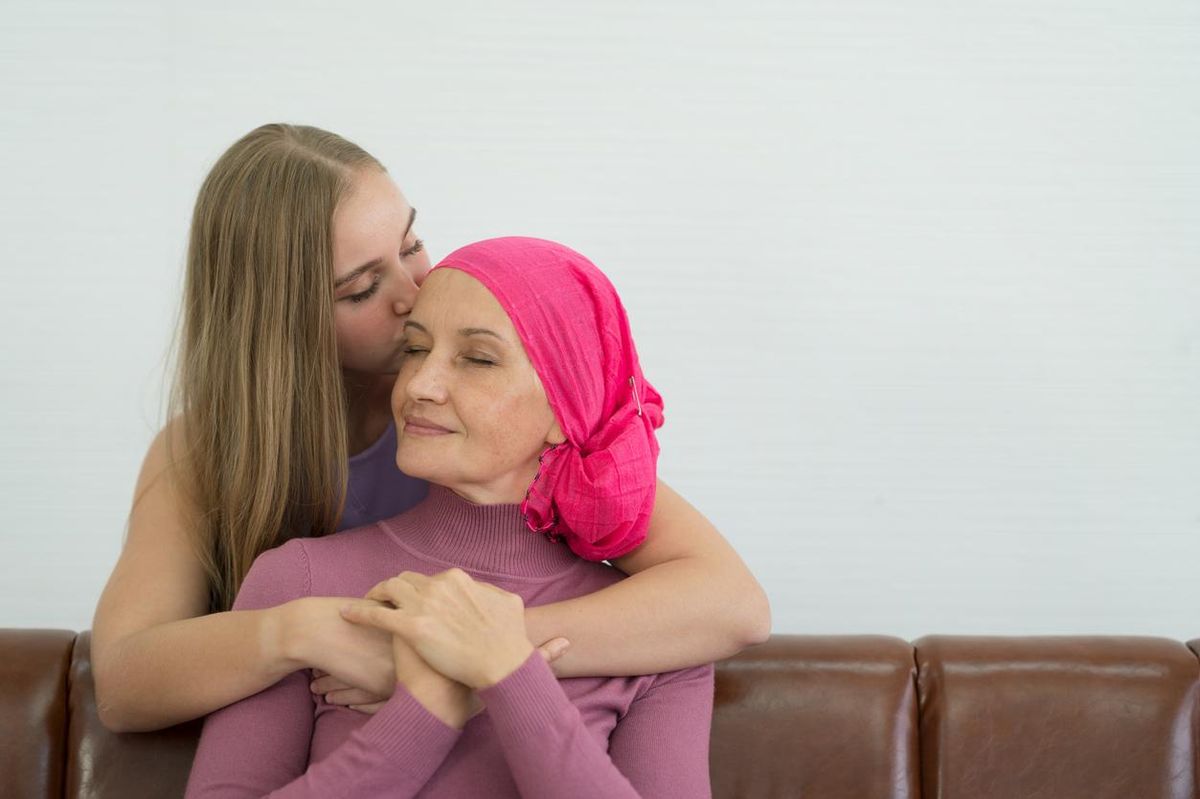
(377, 489)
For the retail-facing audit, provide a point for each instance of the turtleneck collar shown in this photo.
(484, 538)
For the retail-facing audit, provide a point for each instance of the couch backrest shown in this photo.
(1057, 718)
(34, 665)
(853, 717)
(815, 716)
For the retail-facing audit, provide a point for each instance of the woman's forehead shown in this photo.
(371, 220)
(452, 299)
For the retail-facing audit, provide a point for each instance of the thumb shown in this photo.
(553, 649)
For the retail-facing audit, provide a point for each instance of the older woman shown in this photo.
(521, 400)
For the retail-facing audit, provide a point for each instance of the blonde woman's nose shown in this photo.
(406, 293)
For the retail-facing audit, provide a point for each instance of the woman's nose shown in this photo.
(406, 293)
(427, 383)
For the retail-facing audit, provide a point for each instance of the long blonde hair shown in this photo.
(258, 387)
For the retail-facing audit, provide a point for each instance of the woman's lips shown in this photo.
(416, 426)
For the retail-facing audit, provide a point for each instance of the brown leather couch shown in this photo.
(860, 717)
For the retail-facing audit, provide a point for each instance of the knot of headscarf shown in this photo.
(596, 489)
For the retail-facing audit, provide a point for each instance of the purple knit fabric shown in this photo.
(376, 488)
(538, 737)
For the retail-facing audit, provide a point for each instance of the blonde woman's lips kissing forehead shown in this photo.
(420, 426)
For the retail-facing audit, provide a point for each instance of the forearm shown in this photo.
(185, 669)
(395, 754)
(261, 747)
(549, 750)
(673, 615)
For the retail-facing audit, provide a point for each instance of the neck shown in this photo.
(368, 407)
(484, 538)
(508, 490)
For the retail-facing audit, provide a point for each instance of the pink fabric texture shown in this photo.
(596, 490)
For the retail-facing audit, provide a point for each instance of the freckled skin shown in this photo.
(498, 416)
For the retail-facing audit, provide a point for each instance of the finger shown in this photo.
(553, 649)
(416, 580)
(375, 589)
(371, 615)
(351, 696)
(317, 673)
(395, 591)
(325, 684)
(454, 573)
(370, 709)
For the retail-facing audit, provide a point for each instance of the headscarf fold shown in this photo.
(596, 490)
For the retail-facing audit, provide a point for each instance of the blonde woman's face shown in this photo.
(471, 413)
(378, 265)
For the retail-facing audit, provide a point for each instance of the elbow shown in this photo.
(112, 720)
(114, 713)
(753, 623)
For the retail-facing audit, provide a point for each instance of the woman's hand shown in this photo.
(337, 692)
(355, 658)
(448, 699)
(469, 631)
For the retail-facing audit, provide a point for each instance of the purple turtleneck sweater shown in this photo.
(537, 737)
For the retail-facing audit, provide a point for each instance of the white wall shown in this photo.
(920, 281)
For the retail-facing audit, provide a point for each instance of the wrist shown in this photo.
(281, 632)
(445, 699)
(502, 664)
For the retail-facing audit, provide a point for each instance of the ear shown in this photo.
(555, 435)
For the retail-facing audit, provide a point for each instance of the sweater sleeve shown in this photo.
(659, 748)
(260, 745)
(661, 744)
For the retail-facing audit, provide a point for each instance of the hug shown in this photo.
(405, 534)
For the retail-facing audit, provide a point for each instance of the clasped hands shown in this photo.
(451, 635)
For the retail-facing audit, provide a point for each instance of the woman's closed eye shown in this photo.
(376, 278)
(473, 359)
(366, 293)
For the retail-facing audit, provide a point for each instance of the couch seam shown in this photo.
(68, 717)
(919, 766)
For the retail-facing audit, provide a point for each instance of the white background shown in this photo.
(920, 281)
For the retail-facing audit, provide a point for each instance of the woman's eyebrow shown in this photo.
(412, 217)
(480, 331)
(465, 331)
(349, 276)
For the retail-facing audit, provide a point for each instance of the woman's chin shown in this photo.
(414, 467)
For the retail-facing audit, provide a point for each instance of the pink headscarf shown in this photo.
(596, 489)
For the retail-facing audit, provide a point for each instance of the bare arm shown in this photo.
(159, 660)
(689, 600)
